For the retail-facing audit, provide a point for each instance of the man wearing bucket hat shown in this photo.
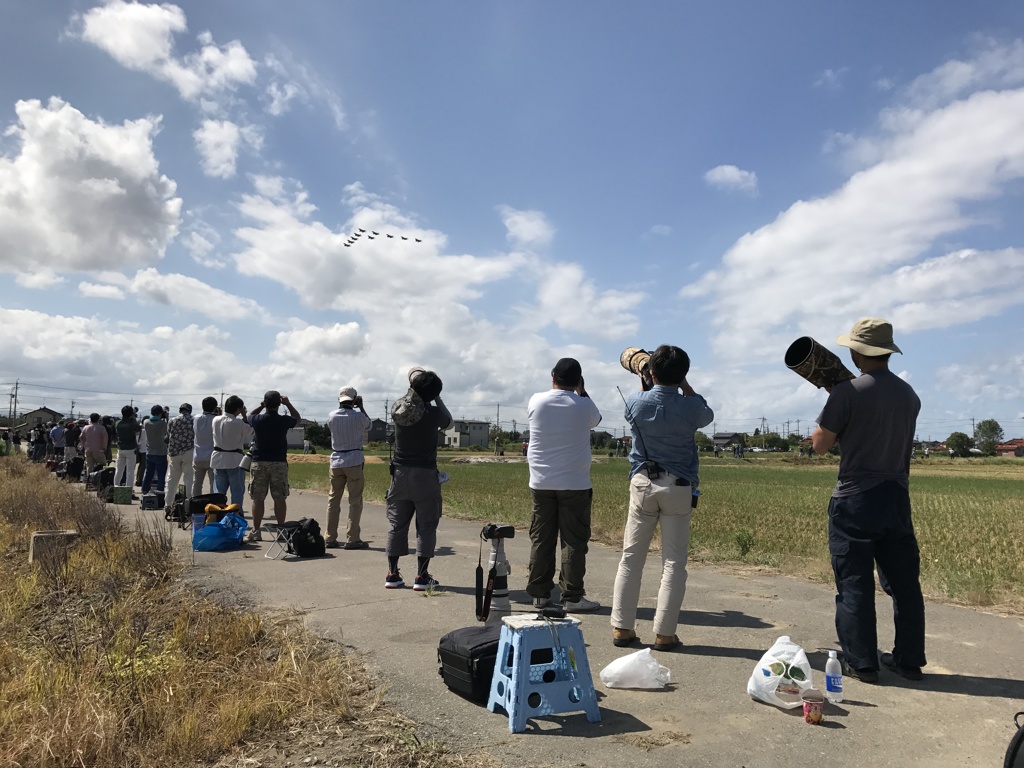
(347, 426)
(873, 418)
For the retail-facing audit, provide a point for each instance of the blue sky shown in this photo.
(178, 183)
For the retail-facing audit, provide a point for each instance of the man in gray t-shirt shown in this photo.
(873, 418)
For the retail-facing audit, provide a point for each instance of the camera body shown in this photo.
(498, 531)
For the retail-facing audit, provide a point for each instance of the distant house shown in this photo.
(599, 437)
(466, 432)
(40, 416)
(726, 440)
(379, 431)
(295, 437)
(1011, 448)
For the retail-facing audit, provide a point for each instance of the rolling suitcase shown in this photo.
(466, 658)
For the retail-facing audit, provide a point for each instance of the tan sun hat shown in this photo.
(870, 336)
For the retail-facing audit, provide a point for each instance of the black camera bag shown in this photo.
(466, 658)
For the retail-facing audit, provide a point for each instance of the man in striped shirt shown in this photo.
(348, 427)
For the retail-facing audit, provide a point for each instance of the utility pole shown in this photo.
(16, 382)
(798, 426)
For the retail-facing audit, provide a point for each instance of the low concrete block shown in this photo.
(45, 543)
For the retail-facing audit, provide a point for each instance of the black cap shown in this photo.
(567, 372)
(185, 408)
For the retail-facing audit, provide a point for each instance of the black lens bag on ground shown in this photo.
(465, 659)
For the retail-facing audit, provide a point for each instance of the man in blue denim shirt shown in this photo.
(663, 478)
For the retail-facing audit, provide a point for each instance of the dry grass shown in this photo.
(107, 660)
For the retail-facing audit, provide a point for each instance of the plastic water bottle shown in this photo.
(833, 678)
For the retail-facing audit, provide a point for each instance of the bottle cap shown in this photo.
(832, 655)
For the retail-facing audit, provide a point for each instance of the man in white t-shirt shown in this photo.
(559, 456)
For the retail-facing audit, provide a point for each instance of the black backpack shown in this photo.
(177, 512)
(307, 541)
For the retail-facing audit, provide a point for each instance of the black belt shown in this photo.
(228, 450)
(678, 480)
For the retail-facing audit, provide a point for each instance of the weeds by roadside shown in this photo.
(106, 659)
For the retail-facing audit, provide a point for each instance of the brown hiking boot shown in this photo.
(666, 642)
(623, 637)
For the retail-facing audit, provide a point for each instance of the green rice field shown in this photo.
(771, 511)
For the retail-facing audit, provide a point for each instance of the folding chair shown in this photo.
(281, 545)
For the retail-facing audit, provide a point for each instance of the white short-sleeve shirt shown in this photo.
(559, 448)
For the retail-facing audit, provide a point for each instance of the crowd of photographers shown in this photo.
(873, 415)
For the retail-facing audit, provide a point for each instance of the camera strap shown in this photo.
(484, 594)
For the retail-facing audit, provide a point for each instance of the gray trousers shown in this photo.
(559, 516)
(414, 492)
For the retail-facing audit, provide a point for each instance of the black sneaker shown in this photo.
(358, 544)
(907, 673)
(394, 581)
(424, 582)
(333, 544)
(865, 675)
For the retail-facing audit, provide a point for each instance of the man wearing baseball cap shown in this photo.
(560, 420)
(348, 426)
(873, 418)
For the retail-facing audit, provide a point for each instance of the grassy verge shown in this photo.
(772, 511)
(107, 659)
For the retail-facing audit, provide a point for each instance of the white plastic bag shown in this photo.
(636, 670)
(782, 675)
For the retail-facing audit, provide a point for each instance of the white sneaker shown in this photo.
(581, 606)
(254, 535)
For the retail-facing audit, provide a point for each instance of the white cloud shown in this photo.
(994, 382)
(730, 177)
(572, 302)
(191, 295)
(660, 230)
(312, 343)
(141, 37)
(200, 242)
(38, 279)
(993, 66)
(866, 249)
(286, 245)
(217, 143)
(82, 195)
(528, 229)
(280, 96)
(300, 83)
(831, 79)
(100, 291)
(98, 355)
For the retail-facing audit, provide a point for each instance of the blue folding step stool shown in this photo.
(541, 669)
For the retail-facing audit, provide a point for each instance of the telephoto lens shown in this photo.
(634, 359)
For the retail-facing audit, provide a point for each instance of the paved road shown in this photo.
(960, 715)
